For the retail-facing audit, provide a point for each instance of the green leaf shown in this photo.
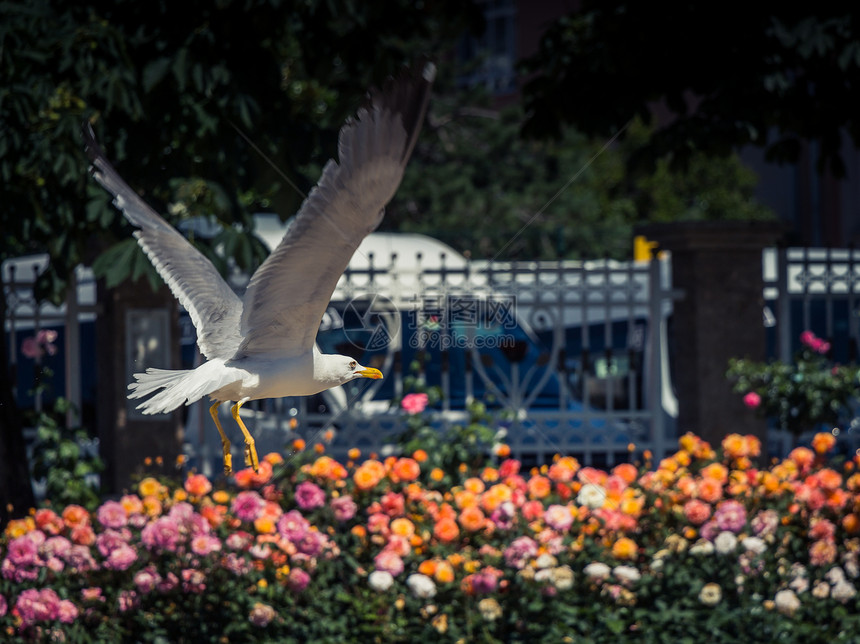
(155, 72)
(115, 264)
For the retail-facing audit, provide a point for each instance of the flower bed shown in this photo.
(700, 545)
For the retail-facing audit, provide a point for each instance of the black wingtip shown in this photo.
(408, 94)
(91, 145)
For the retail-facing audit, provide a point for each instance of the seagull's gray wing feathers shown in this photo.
(289, 292)
(214, 308)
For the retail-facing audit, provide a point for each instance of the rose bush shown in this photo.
(698, 546)
(801, 395)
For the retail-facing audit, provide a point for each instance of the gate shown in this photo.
(572, 355)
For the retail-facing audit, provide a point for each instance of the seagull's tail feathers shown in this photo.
(174, 387)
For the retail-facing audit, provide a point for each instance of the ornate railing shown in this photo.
(567, 349)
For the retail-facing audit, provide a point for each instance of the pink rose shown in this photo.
(344, 507)
(298, 580)
(248, 505)
(121, 558)
(293, 526)
(414, 403)
(161, 535)
(558, 517)
(696, 511)
(309, 496)
(112, 515)
(752, 400)
(815, 343)
(204, 544)
(261, 615)
(147, 579)
(389, 562)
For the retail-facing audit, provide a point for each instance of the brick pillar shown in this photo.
(138, 328)
(718, 268)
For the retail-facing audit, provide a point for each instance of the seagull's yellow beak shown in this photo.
(370, 372)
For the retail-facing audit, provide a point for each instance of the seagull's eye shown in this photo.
(352, 364)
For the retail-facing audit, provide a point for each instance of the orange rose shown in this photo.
(829, 479)
(20, 527)
(444, 572)
(716, 471)
(471, 518)
(198, 485)
(149, 487)
(273, 458)
(803, 456)
(427, 567)
(495, 496)
(75, 515)
(402, 527)
(734, 446)
(132, 504)
(626, 472)
(502, 450)
(823, 442)
(446, 530)
(709, 490)
(539, 487)
(624, 548)
(406, 469)
(369, 474)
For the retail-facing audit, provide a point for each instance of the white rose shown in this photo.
(754, 545)
(546, 560)
(725, 543)
(821, 589)
(562, 577)
(597, 570)
(835, 575)
(843, 591)
(421, 585)
(591, 496)
(626, 574)
(380, 580)
(799, 584)
(702, 547)
(544, 575)
(711, 594)
(786, 602)
(490, 609)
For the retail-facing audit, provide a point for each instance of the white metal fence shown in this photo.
(574, 351)
(816, 289)
(26, 316)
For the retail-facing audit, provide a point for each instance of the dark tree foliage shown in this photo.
(726, 74)
(176, 90)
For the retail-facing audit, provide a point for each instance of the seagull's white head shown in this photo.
(334, 369)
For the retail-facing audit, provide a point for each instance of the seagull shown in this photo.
(264, 344)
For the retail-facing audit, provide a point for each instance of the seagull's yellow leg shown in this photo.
(225, 442)
(250, 449)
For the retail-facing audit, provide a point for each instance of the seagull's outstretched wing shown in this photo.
(214, 308)
(287, 296)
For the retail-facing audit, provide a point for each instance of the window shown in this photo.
(489, 59)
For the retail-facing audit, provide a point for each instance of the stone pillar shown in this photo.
(717, 265)
(137, 328)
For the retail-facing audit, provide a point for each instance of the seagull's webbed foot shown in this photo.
(225, 442)
(251, 459)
